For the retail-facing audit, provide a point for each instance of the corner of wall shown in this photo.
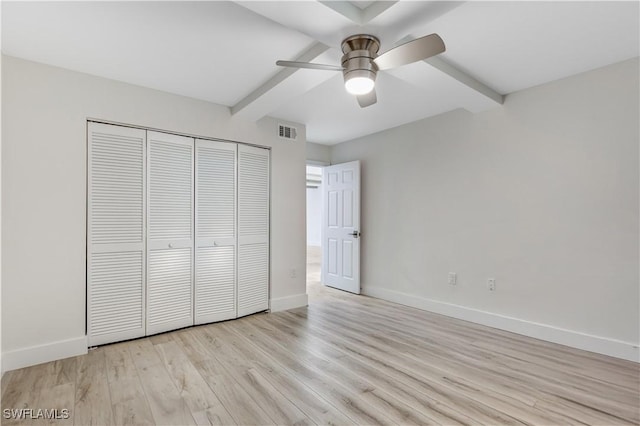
(289, 302)
(26, 357)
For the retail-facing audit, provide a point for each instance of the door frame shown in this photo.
(340, 282)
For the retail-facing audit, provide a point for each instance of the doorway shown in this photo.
(333, 227)
(314, 229)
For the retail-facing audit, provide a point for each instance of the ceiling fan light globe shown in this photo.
(359, 85)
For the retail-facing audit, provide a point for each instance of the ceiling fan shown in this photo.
(360, 62)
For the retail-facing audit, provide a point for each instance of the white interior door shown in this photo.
(253, 230)
(115, 233)
(216, 239)
(170, 232)
(341, 226)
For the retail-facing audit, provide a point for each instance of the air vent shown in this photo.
(287, 132)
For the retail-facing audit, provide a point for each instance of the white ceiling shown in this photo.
(225, 52)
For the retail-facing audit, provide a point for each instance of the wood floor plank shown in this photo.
(587, 362)
(560, 384)
(395, 409)
(201, 400)
(62, 371)
(495, 408)
(450, 403)
(233, 397)
(14, 382)
(344, 359)
(447, 361)
(279, 408)
(6, 380)
(92, 396)
(165, 402)
(58, 399)
(624, 404)
(23, 393)
(161, 338)
(317, 408)
(350, 404)
(605, 369)
(377, 376)
(128, 400)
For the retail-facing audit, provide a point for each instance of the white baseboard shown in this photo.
(574, 339)
(289, 302)
(19, 358)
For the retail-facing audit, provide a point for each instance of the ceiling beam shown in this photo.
(346, 9)
(310, 18)
(464, 78)
(375, 9)
(309, 54)
(354, 13)
(441, 64)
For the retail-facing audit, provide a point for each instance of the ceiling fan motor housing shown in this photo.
(359, 52)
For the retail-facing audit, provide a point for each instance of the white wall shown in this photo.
(44, 196)
(314, 216)
(1, 370)
(317, 153)
(314, 206)
(541, 194)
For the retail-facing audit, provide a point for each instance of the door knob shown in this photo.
(355, 234)
(170, 245)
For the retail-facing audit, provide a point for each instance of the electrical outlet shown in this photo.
(452, 278)
(491, 284)
(293, 273)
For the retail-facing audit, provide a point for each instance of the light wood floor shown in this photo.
(343, 360)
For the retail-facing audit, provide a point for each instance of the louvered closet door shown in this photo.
(170, 232)
(253, 230)
(115, 233)
(215, 283)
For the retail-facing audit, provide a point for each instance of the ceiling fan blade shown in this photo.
(293, 64)
(367, 99)
(412, 51)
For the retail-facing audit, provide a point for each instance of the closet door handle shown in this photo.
(170, 245)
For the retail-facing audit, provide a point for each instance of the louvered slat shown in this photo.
(169, 290)
(170, 239)
(253, 200)
(231, 269)
(215, 281)
(116, 187)
(215, 284)
(253, 230)
(116, 296)
(216, 190)
(170, 189)
(253, 278)
(115, 257)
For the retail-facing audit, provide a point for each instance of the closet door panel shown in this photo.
(170, 232)
(253, 230)
(216, 240)
(115, 233)
(253, 278)
(170, 287)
